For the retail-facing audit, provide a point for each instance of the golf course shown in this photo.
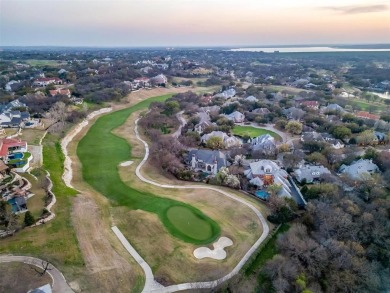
(100, 152)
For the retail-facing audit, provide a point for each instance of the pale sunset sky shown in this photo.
(114, 23)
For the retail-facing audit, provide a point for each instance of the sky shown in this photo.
(132, 23)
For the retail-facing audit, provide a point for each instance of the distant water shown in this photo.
(386, 95)
(307, 50)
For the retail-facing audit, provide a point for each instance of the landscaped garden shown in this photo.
(100, 152)
(253, 132)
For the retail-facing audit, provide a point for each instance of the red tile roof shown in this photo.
(7, 143)
(310, 104)
(60, 92)
(366, 115)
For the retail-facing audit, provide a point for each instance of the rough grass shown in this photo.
(253, 132)
(54, 241)
(100, 152)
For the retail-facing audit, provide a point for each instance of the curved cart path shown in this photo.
(59, 282)
(151, 285)
(197, 285)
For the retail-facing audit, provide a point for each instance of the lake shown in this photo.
(306, 50)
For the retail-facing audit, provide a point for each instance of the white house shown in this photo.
(236, 117)
(310, 173)
(360, 169)
(267, 172)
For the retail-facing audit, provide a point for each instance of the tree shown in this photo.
(215, 143)
(294, 127)
(28, 219)
(367, 137)
(341, 132)
(171, 107)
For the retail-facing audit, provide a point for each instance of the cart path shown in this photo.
(151, 285)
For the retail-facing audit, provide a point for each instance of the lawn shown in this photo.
(253, 132)
(20, 277)
(100, 152)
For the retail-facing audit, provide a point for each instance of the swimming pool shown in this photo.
(15, 156)
(262, 194)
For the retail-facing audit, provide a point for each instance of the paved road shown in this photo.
(149, 286)
(59, 282)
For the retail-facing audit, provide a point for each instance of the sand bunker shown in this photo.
(217, 253)
(125, 164)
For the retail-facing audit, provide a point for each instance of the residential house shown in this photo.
(230, 93)
(335, 143)
(311, 104)
(264, 143)
(206, 161)
(360, 169)
(9, 87)
(141, 82)
(293, 113)
(8, 146)
(382, 138)
(159, 80)
(236, 117)
(229, 141)
(45, 81)
(261, 111)
(266, 172)
(334, 108)
(366, 115)
(251, 99)
(62, 71)
(201, 126)
(312, 136)
(64, 92)
(310, 173)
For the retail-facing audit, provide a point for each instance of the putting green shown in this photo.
(100, 152)
(187, 222)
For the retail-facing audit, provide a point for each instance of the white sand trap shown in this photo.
(217, 253)
(125, 164)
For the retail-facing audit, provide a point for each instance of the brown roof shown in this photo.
(366, 115)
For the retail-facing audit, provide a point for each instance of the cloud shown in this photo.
(358, 9)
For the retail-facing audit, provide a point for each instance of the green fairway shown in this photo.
(253, 132)
(100, 152)
(189, 222)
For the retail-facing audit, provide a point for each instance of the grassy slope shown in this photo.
(100, 152)
(253, 132)
(56, 240)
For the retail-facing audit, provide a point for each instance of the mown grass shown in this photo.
(56, 240)
(253, 132)
(100, 152)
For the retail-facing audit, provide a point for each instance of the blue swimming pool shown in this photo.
(15, 156)
(262, 194)
(13, 204)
